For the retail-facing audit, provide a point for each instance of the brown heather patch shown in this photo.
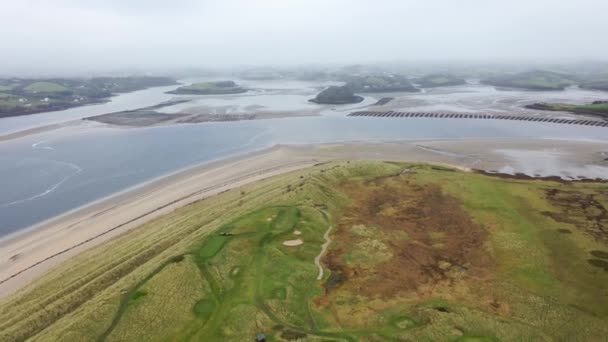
(582, 210)
(441, 246)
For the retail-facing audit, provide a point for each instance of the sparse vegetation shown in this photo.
(595, 82)
(210, 88)
(532, 80)
(380, 84)
(28, 96)
(433, 254)
(599, 108)
(337, 95)
(439, 80)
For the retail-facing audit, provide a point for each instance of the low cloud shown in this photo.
(63, 35)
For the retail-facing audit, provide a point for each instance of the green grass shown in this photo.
(218, 87)
(596, 84)
(439, 80)
(6, 87)
(201, 86)
(6, 97)
(532, 80)
(539, 82)
(218, 269)
(45, 87)
(591, 108)
(9, 101)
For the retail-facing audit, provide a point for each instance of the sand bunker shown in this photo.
(293, 243)
(297, 232)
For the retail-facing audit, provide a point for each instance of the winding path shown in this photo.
(323, 249)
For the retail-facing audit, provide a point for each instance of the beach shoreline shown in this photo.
(31, 252)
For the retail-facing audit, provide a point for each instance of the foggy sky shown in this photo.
(89, 35)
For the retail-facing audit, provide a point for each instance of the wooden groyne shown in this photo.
(392, 114)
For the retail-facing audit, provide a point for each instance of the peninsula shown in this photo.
(29, 96)
(532, 80)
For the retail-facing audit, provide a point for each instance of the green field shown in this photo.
(599, 108)
(380, 84)
(45, 87)
(532, 80)
(596, 82)
(416, 253)
(210, 88)
(43, 95)
(439, 80)
(9, 101)
(590, 108)
(6, 87)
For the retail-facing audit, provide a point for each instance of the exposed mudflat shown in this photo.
(145, 118)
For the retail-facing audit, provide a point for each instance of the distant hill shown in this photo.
(532, 80)
(337, 95)
(210, 88)
(380, 84)
(595, 84)
(439, 80)
(28, 96)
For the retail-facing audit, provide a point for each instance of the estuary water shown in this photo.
(47, 174)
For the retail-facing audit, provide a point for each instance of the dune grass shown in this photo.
(432, 254)
(599, 108)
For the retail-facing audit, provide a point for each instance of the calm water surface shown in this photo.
(47, 174)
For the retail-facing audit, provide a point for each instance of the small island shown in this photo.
(597, 108)
(532, 80)
(337, 95)
(30, 96)
(439, 80)
(210, 88)
(381, 84)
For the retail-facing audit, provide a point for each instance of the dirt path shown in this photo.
(323, 249)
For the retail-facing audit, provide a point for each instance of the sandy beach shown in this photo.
(28, 254)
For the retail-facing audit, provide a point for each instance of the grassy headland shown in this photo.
(380, 84)
(417, 252)
(532, 80)
(439, 80)
(337, 95)
(29, 96)
(598, 108)
(595, 84)
(210, 88)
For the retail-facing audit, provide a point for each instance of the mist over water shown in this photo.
(59, 170)
(75, 37)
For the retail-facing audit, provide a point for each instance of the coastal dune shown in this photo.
(27, 255)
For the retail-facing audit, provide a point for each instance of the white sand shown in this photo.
(293, 243)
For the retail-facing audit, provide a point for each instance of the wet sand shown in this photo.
(145, 118)
(27, 254)
(36, 130)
